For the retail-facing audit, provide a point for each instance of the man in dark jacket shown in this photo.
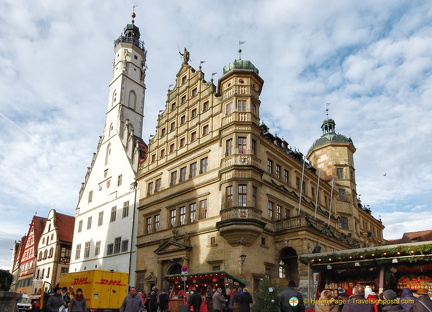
(132, 302)
(391, 302)
(66, 297)
(163, 300)
(423, 303)
(154, 300)
(291, 299)
(195, 301)
(55, 301)
(245, 300)
(407, 299)
(357, 302)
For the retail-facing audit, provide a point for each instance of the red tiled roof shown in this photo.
(411, 237)
(65, 226)
(419, 236)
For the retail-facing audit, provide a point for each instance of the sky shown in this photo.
(370, 59)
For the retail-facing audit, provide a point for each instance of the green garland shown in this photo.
(423, 252)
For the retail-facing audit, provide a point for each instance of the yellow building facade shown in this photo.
(217, 185)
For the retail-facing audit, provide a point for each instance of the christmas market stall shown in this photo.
(382, 267)
(182, 284)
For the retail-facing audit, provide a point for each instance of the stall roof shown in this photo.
(411, 252)
(205, 276)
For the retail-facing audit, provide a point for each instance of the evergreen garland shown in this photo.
(413, 253)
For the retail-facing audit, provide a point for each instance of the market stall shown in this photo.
(383, 267)
(180, 285)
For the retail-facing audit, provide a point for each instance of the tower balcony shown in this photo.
(240, 225)
(133, 40)
(240, 116)
(240, 160)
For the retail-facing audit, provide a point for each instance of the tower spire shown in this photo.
(327, 109)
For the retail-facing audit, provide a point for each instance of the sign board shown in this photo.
(184, 270)
(184, 278)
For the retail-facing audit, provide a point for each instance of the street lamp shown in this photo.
(242, 260)
(317, 248)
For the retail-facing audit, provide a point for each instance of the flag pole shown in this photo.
(317, 193)
(331, 201)
(301, 186)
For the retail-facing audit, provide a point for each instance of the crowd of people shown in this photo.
(62, 300)
(214, 300)
(362, 299)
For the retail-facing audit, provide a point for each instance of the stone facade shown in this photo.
(217, 185)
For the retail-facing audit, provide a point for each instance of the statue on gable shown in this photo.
(185, 55)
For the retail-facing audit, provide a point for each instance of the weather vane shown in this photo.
(327, 109)
(133, 13)
(239, 49)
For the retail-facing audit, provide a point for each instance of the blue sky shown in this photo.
(371, 60)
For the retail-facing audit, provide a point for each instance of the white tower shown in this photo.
(105, 225)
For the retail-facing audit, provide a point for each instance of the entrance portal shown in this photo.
(288, 264)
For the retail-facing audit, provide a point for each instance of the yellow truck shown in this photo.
(104, 290)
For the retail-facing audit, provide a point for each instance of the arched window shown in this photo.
(51, 252)
(111, 127)
(114, 98)
(40, 255)
(45, 253)
(108, 154)
(132, 100)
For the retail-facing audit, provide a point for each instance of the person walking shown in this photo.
(234, 299)
(245, 300)
(55, 301)
(209, 299)
(407, 299)
(66, 297)
(357, 302)
(291, 300)
(218, 300)
(326, 303)
(195, 301)
(163, 301)
(423, 303)
(78, 302)
(132, 302)
(390, 301)
(154, 300)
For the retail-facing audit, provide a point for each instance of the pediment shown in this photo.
(150, 278)
(171, 247)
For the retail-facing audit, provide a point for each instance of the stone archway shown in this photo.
(175, 269)
(288, 264)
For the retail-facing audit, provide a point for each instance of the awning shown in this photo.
(387, 254)
(220, 277)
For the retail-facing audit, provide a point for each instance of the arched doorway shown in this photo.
(288, 264)
(175, 269)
